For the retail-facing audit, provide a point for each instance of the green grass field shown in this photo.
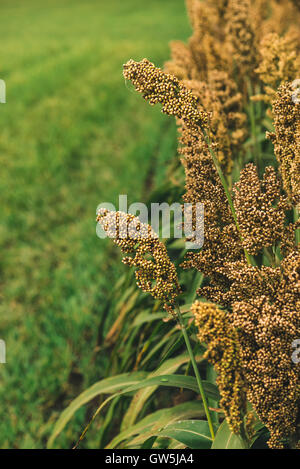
(73, 134)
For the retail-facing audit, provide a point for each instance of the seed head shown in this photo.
(159, 87)
(222, 351)
(155, 273)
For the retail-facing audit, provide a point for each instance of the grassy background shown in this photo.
(73, 134)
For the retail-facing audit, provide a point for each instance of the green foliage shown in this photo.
(65, 147)
(85, 347)
(225, 439)
(106, 386)
(155, 424)
(194, 434)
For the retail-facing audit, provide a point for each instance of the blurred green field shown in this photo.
(73, 134)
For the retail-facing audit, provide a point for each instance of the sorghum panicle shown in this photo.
(159, 87)
(155, 273)
(260, 208)
(286, 139)
(279, 63)
(222, 351)
(267, 324)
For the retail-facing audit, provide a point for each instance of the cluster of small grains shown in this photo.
(155, 273)
(202, 181)
(226, 35)
(182, 64)
(240, 35)
(278, 63)
(218, 131)
(205, 49)
(250, 344)
(282, 16)
(219, 96)
(260, 14)
(231, 100)
(286, 139)
(222, 351)
(222, 242)
(266, 317)
(296, 3)
(202, 184)
(260, 208)
(205, 61)
(246, 281)
(267, 324)
(159, 87)
(207, 41)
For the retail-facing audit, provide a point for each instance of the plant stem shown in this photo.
(253, 126)
(211, 376)
(296, 218)
(199, 277)
(196, 371)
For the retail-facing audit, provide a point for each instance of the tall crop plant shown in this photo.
(223, 343)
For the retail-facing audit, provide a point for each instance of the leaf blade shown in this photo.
(194, 434)
(226, 439)
(105, 386)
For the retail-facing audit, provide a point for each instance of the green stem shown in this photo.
(211, 376)
(253, 126)
(227, 192)
(296, 218)
(245, 437)
(196, 371)
(199, 277)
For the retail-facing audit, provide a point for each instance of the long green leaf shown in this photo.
(126, 383)
(137, 403)
(180, 381)
(177, 381)
(158, 345)
(225, 439)
(195, 434)
(146, 317)
(105, 386)
(153, 424)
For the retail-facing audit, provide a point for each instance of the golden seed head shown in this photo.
(154, 273)
(157, 86)
(215, 330)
